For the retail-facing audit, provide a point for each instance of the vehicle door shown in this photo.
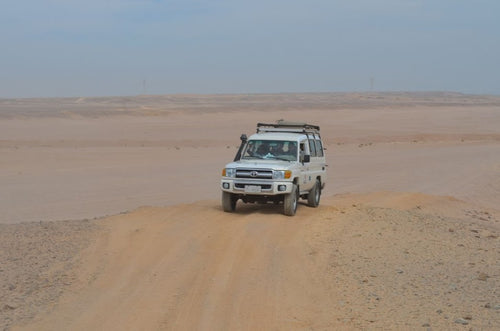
(306, 182)
(317, 164)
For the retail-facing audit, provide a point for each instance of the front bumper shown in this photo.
(254, 187)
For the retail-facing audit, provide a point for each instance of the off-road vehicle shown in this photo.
(279, 164)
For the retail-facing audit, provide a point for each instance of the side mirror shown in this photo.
(306, 158)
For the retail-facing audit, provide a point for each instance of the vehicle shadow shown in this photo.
(257, 208)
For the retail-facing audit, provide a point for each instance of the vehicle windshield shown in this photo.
(271, 149)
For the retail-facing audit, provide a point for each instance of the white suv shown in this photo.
(280, 163)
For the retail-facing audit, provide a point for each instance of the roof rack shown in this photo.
(285, 126)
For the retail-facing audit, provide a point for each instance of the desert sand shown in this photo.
(110, 215)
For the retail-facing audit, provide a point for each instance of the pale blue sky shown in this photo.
(129, 47)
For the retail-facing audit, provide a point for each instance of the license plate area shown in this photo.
(253, 189)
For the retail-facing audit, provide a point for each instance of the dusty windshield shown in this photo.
(271, 149)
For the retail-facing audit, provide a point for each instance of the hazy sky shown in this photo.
(129, 47)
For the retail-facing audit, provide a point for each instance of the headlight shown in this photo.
(282, 174)
(228, 172)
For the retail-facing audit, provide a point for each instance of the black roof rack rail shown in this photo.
(284, 125)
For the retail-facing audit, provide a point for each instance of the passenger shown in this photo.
(279, 149)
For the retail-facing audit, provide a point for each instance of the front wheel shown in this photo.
(229, 202)
(314, 195)
(290, 202)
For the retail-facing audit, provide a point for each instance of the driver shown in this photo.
(262, 150)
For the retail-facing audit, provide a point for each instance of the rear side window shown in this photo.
(312, 147)
(319, 148)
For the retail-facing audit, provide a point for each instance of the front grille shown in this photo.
(264, 187)
(254, 173)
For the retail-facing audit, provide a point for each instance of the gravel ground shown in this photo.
(430, 270)
(36, 260)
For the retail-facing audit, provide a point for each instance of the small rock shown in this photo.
(497, 307)
(439, 311)
(468, 317)
(399, 271)
(9, 307)
(487, 306)
(461, 321)
(12, 287)
(482, 276)
(426, 325)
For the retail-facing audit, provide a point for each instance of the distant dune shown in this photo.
(154, 105)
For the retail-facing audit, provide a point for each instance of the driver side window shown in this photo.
(302, 150)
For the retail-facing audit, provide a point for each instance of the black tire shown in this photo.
(229, 202)
(290, 202)
(314, 195)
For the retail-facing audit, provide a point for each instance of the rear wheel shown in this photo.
(229, 202)
(314, 195)
(290, 202)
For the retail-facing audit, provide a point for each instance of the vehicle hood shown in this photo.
(260, 164)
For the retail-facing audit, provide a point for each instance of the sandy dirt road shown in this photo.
(378, 261)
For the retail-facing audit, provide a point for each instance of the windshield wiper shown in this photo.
(278, 158)
(283, 159)
(252, 157)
